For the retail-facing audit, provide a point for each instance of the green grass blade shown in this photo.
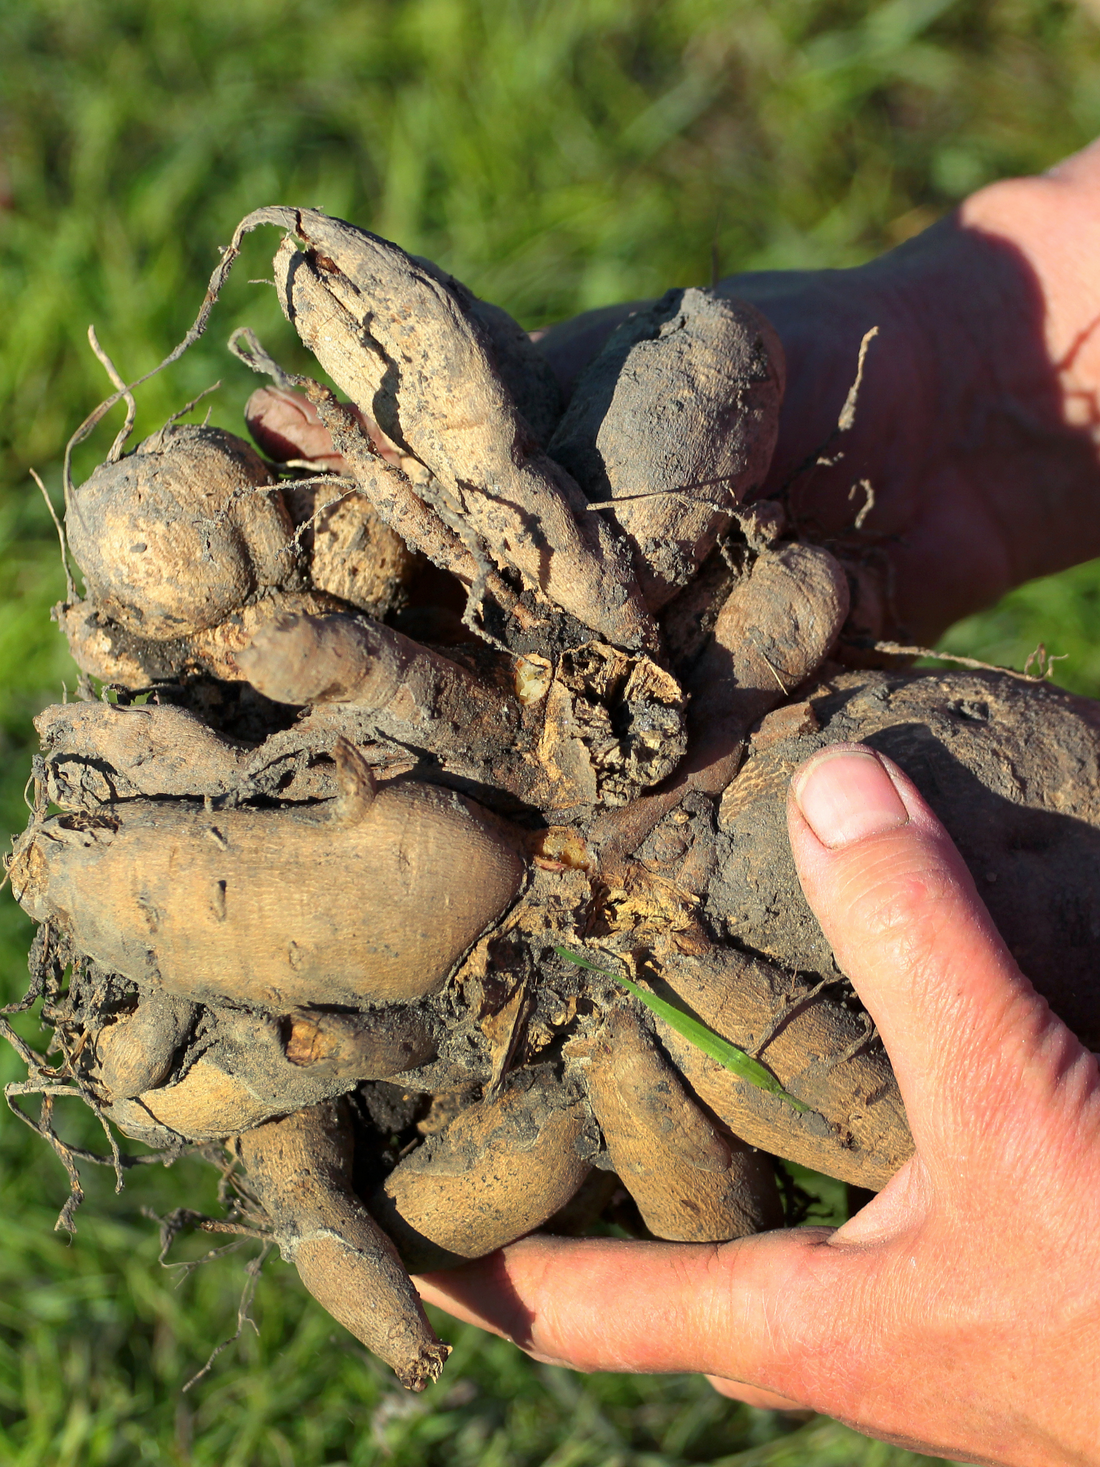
(728, 1055)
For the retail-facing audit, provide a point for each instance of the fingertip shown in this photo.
(858, 827)
(482, 1293)
(900, 910)
(845, 793)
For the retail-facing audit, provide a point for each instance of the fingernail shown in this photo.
(846, 795)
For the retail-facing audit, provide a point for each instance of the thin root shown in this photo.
(788, 1012)
(661, 494)
(868, 502)
(64, 1221)
(1044, 661)
(253, 354)
(128, 397)
(32, 995)
(844, 423)
(244, 1315)
(70, 588)
(183, 411)
(288, 219)
(895, 649)
(848, 411)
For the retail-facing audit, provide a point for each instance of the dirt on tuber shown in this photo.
(446, 679)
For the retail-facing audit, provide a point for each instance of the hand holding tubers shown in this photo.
(540, 680)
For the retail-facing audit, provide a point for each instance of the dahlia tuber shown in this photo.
(301, 1168)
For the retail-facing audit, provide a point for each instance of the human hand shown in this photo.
(959, 1311)
(975, 426)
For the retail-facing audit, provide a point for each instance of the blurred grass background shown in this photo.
(556, 155)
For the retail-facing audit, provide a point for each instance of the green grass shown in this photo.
(557, 155)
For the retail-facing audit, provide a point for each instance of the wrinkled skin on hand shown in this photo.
(975, 423)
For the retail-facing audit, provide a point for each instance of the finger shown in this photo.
(751, 1396)
(287, 426)
(570, 345)
(969, 1038)
(648, 1308)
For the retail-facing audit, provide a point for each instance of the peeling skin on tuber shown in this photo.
(414, 729)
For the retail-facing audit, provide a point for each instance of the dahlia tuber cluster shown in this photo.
(427, 719)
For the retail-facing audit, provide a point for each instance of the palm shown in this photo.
(927, 529)
(979, 482)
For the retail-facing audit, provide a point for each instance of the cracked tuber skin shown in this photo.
(517, 682)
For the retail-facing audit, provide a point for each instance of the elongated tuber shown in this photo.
(349, 295)
(346, 908)
(301, 1170)
(691, 1183)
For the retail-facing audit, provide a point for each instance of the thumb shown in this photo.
(970, 1040)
